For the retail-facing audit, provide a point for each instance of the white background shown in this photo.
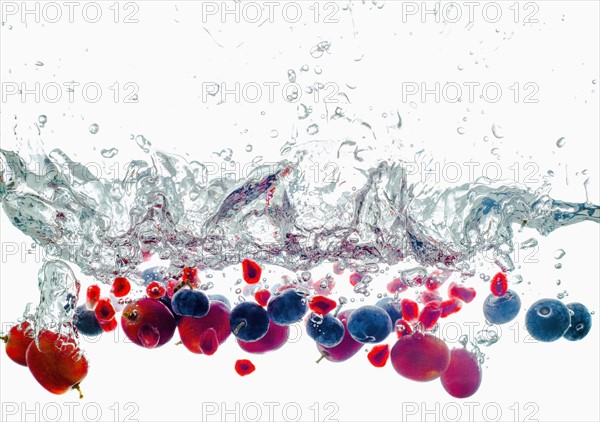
(170, 52)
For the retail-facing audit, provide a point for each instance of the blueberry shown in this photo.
(220, 298)
(249, 321)
(328, 331)
(287, 308)
(152, 274)
(192, 303)
(86, 322)
(503, 309)
(391, 307)
(369, 324)
(166, 300)
(581, 322)
(547, 320)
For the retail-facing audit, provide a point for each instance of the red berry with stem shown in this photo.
(322, 305)
(244, 367)
(156, 290)
(410, 309)
(120, 287)
(466, 294)
(450, 307)
(429, 315)
(262, 297)
(378, 356)
(105, 310)
(420, 357)
(17, 341)
(92, 297)
(499, 285)
(57, 364)
(251, 271)
(145, 320)
(463, 376)
(275, 338)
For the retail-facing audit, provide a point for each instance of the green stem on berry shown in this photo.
(239, 327)
(78, 388)
(179, 343)
(323, 356)
(4, 339)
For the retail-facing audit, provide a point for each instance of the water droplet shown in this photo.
(550, 173)
(291, 75)
(304, 68)
(302, 111)
(94, 128)
(109, 153)
(594, 81)
(42, 119)
(486, 139)
(318, 70)
(143, 143)
(312, 129)
(561, 142)
(274, 133)
(249, 148)
(558, 282)
(497, 131)
(39, 63)
(559, 253)
(529, 243)
(460, 67)
(461, 130)
(558, 266)
(495, 151)
(517, 279)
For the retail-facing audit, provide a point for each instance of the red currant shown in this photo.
(322, 305)
(378, 356)
(244, 367)
(121, 287)
(499, 285)
(92, 296)
(251, 271)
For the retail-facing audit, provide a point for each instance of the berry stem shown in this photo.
(78, 388)
(179, 343)
(323, 356)
(239, 327)
(4, 339)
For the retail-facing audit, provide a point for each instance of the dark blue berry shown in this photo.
(192, 303)
(581, 322)
(249, 321)
(86, 322)
(503, 309)
(391, 307)
(547, 320)
(369, 324)
(328, 331)
(287, 308)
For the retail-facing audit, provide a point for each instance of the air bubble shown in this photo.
(274, 133)
(497, 131)
(249, 148)
(461, 130)
(559, 253)
(143, 143)
(561, 142)
(42, 119)
(94, 128)
(312, 129)
(109, 153)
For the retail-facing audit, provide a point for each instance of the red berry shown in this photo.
(420, 357)
(191, 328)
(429, 315)
(275, 338)
(396, 285)
(463, 376)
(104, 311)
(355, 278)
(18, 339)
(322, 305)
(92, 297)
(499, 285)
(251, 271)
(378, 356)
(466, 294)
(190, 275)
(121, 287)
(244, 367)
(156, 290)
(403, 328)
(173, 286)
(450, 307)
(209, 342)
(148, 322)
(430, 296)
(108, 326)
(262, 297)
(57, 364)
(433, 282)
(410, 309)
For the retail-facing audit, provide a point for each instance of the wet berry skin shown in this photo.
(287, 308)
(547, 320)
(344, 350)
(369, 324)
(503, 309)
(192, 303)
(148, 322)
(463, 376)
(326, 330)
(391, 307)
(420, 357)
(249, 321)
(581, 322)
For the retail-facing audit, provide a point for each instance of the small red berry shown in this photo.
(499, 285)
(105, 310)
(120, 287)
(355, 278)
(466, 294)
(108, 326)
(92, 296)
(378, 356)
(251, 271)
(450, 307)
(322, 305)
(410, 309)
(262, 297)
(403, 328)
(244, 367)
(430, 314)
(17, 340)
(190, 275)
(156, 290)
